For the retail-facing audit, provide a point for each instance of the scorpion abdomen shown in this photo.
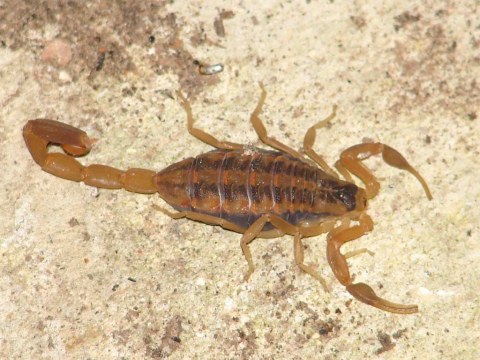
(242, 185)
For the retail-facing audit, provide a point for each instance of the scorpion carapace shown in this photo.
(255, 192)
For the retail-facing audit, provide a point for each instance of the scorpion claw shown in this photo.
(365, 294)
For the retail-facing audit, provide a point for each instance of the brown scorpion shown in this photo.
(255, 192)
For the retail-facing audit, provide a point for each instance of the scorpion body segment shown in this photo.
(255, 192)
(241, 186)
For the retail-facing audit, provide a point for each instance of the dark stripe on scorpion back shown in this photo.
(241, 186)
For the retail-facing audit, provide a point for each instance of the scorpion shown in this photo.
(258, 193)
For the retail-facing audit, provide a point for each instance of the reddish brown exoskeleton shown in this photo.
(255, 192)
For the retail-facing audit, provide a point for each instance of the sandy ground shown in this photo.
(98, 274)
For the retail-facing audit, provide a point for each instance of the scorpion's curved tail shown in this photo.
(40, 133)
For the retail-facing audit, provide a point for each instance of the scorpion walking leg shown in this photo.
(326, 226)
(204, 218)
(285, 228)
(255, 230)
(251, 233)
(202, 135)
(38, 134)
(353, 253)
(299, 260)
(309, 140)
(345, 224)
(341, 169)
(262, 131)
(339, 266)
(352, 157)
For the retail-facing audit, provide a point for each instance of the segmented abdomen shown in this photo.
(240, 186)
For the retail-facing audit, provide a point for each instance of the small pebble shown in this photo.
(57, 51)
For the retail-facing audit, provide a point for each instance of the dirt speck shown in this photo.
(327, 328)
(239, 340)
(298, 111)
(218, 25)
(399, 333)
(170, 342)
(385, 342)
(247, 338)
(73, 222)
(472, 116)
(218, 22)
(358, 21)
(122, 337)
(404, 19)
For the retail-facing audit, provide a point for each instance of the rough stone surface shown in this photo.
(100, 274)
